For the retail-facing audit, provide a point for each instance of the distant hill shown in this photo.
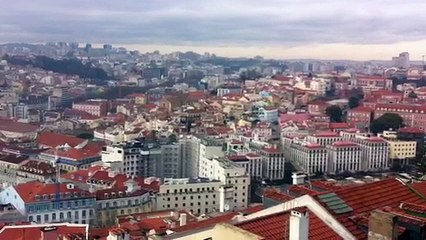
(69, 66)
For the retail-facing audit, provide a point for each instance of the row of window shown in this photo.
(63, 216)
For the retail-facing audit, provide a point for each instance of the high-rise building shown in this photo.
(402, 61)
(131, 158)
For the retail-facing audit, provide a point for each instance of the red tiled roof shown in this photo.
(11, 126)
(301, 190)
(339, 125)
(208, 222)
(34, 231)
(410, 130)
(419, 187)
(294, 117)
(367, 197)
(344, 144)
(277, 196)
(276, 227)
(53, 140)
(91, 150)
(29, 190)
(361, 109)
(326, 134)
(271, 150)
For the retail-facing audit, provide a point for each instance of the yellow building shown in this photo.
(402, 149)
(399, 150)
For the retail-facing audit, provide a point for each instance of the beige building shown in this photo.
(198, 195)
(399, 150)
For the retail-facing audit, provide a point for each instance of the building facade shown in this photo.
(344, 156)
(51, 202)
(129, 157)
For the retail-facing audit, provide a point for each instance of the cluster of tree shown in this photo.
(353, 102)
(335, 113)
(385, 122)
(69, 66)
(356, 94)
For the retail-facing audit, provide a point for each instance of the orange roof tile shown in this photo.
(276, 227)
(29, 190)
(53, 140)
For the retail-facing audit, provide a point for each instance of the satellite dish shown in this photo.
(226, 207)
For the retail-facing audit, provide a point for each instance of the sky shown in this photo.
(325, 29)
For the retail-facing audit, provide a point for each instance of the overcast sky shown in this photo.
(343, 29)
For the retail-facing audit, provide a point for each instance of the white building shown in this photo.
(198, 195)
(45, 203)
(173, 163)
(310, 157)
(252, 162)
(324, 138)
(402, 61)
(375, 153)
(344, 156)
(273, 163)
(235, 181)
(129, 158)
(268, 114)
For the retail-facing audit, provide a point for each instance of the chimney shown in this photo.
(49, 232)
(182, 219)
(382, 225)
(298, 178)
(299, 225)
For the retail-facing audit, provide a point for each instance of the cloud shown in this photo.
(289, 23)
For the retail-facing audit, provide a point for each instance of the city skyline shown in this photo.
(278, 29)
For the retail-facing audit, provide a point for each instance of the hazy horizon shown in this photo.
(281, 29)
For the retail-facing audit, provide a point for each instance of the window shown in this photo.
(30, 219)
(68, 215)
(61, 216)
(83, 213)
(192, 204)
(38, 218)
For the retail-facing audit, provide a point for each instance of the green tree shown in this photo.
(335, 113)
(172, 138)
(385, 122)
(353, 102)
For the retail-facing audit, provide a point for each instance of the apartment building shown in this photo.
(51, 202)
(129, 157)
(273, 163)
(116, 201)
(310, 157)
(198, 195)
(252, 162)
(95, 108)
(324, 138)
(344, 156)
(400, 151)
(374, 153)
(235, 181)
(413, 115)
